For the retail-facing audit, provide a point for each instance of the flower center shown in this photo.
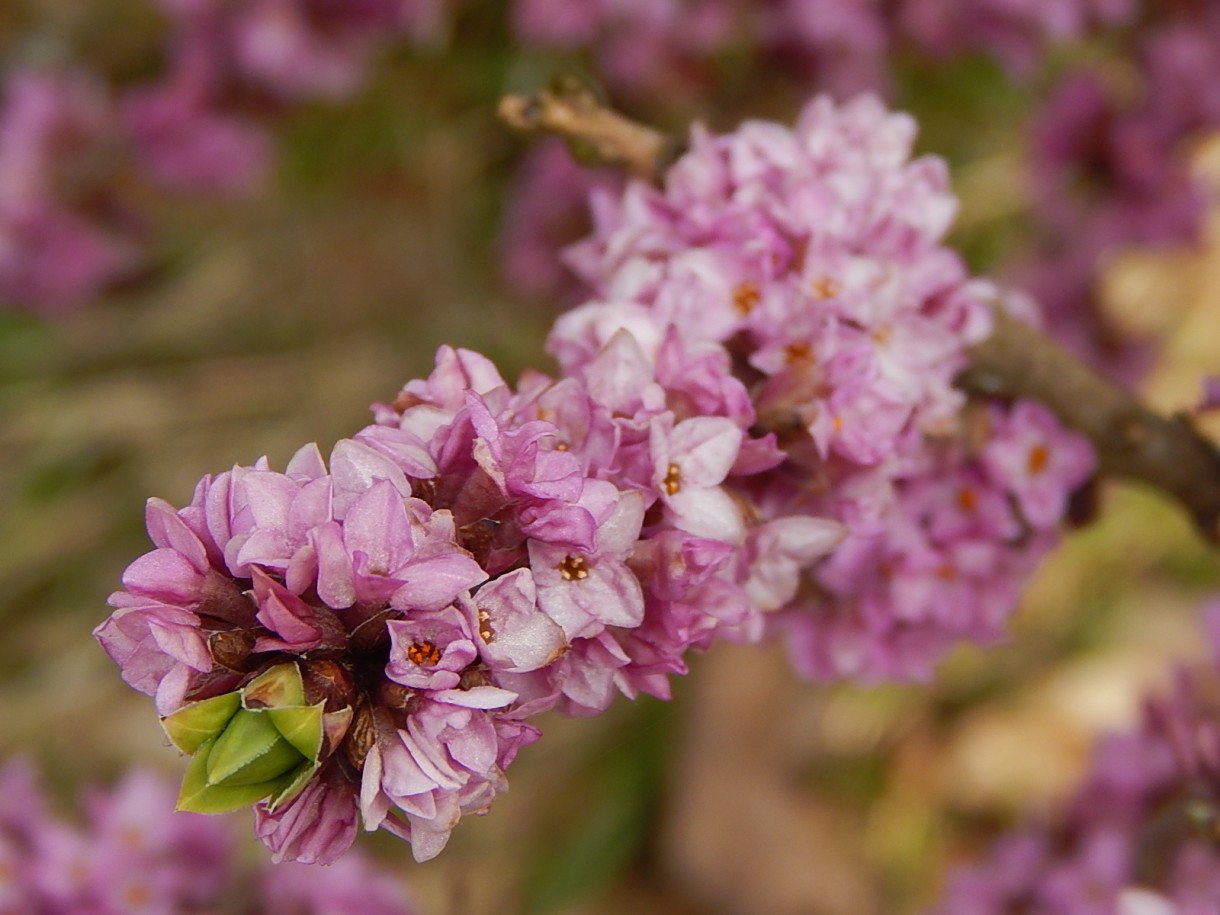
(137, 895)
(1039, 455)
(825, 288)
(486, 633)
(673, 479)
(746, 298)
(131, 836)
(573, 568)
(424, 653)
(967, 501)
(798, 352)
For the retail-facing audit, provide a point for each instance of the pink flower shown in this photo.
(442, 765)
(515, 635)
(1039, 461)
(189, 146)
(133, 853)
(380, 553)
(690, 461)
(317, 827)
(59, 240)
(430, 650)
(157, 646)
(586, 591)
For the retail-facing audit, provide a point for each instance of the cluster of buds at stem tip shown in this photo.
(263, 742)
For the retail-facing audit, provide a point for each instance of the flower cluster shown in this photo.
(135, 855)
(796, 282)
(1138, 835)
(842, 44)
(366, 641)
(765, 377)
(1111, 171)
(838, 46)
(61, 237)
(1016, 33)
(198, 128)
(68, 142)
(202, 126)
(546, 209)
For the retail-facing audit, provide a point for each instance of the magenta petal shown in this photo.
(166, 529)
(474, 746)
(355, 467)
(336, 577)
(307, 462)
(480, 697)
(374, 803)
(618, 375)
(401, 775)
(432, 583)
(617, 536)
(376, 524)
(313, 505)
(560, 522)
(266, 496)
(218, 509)
(315, 827)
(403, 447)
(520, 637)
(705, 448)
(427, 843)
(708, 513)
(166, 575)
(285, 614)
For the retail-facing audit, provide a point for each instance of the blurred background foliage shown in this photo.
(268, 322)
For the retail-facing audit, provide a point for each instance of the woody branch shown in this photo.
(1015, 361)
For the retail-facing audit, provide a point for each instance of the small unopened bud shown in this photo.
(250, 751)
(259, 743)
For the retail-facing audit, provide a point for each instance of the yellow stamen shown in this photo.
(746, 297)
(573, 568)
(1039, 456)
(673, 479)
(798, 352)
(826, 288)
(424, 653)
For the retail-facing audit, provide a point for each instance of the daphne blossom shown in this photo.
(130, 853)
(755, 431)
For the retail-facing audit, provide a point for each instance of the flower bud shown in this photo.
(261, 742)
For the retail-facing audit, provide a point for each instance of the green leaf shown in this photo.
(301, 727)
(250, 752)
(279, 687)
(197, 796)
(193, 725)
(294, 786)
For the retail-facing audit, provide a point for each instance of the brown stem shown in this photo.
(573, 112)
(1015, 361)
(1131, 440)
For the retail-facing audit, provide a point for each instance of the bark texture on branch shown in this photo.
(575, 113)
(1132, 442)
